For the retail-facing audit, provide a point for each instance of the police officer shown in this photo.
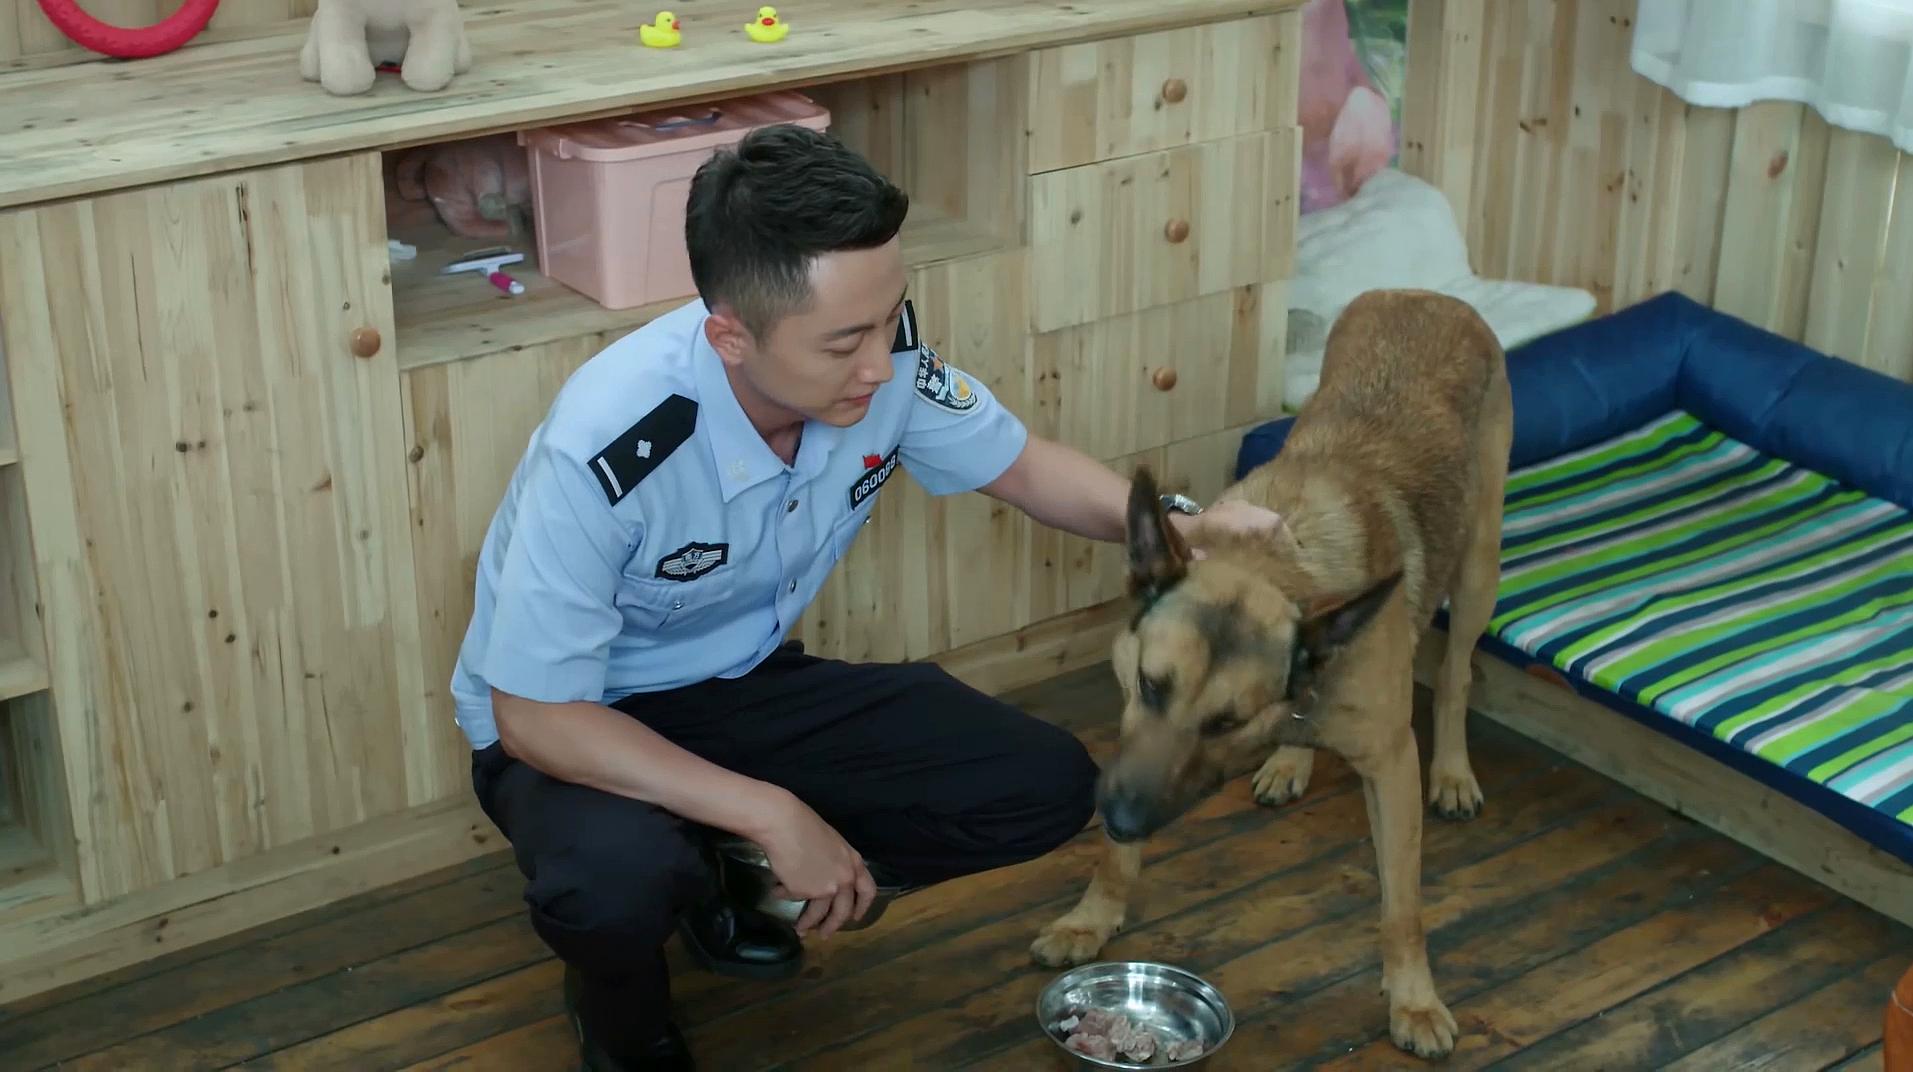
(624, 681)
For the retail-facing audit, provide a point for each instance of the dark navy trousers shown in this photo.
(919, 772)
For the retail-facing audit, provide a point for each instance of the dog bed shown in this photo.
(1709, 529)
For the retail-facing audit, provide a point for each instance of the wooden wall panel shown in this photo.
(468, 423)
(27, 39)
(221, 541)
(1565, 166)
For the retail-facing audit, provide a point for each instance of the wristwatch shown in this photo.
(1181, 504)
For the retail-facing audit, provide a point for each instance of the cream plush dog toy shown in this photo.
(348, 39)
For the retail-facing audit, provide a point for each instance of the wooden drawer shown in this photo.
(1137, 382)
(1102, 100)
(1118, 237)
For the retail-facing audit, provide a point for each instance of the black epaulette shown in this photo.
(907, 338)
(643, 447)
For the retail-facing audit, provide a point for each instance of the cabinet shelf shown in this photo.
(37, 872)
(943, 133)
(20, 673)
(32, 883)
(444, 318)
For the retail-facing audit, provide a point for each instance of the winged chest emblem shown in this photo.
(693, 560)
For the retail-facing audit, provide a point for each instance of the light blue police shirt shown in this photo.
(650, 538)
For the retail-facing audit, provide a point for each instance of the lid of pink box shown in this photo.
(674, 130)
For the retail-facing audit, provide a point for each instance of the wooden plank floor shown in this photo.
(1573, 925)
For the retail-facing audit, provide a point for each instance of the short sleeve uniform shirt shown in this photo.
(649, 538)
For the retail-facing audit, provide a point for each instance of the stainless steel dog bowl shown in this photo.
(1172, 1003)
(748, 878)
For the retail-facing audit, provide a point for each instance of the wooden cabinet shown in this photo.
(210, 438)
(467, 423)
(248, 459)
(1167, 373)
(1126, 96)
(1140, 318)
(1114, 237)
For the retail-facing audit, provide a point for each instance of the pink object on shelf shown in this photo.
(609, 196)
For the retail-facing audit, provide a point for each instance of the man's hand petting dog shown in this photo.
(1228, 515)
(814, 863)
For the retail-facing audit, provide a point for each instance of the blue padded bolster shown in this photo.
(1261, 443)
(1832, 416)
(1572, 388)
(1599, 378)
(1609, 375)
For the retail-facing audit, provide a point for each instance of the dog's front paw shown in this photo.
(1453, 791)
(1065, 943)
(1284, 776)
(1424, 1029)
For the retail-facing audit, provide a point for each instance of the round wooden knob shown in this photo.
(1176, 230)
(1174, 90)
(1165, 378)
(365, 341)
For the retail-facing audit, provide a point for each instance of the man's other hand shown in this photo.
(814, 863)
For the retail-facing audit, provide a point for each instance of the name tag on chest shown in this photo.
(872, 478)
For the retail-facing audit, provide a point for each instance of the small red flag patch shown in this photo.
(871, 461)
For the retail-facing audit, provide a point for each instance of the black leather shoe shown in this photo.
(667, 1053)
(734, 940)
(887, 879)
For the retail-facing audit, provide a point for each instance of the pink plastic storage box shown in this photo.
(609, 196)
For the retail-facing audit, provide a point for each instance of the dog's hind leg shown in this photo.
(1079, 934)
(1284, 776)
(1418, 1021)
(1453, 791)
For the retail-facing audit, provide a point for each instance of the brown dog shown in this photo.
(1390, 487)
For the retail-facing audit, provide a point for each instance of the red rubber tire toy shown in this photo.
(130, 44)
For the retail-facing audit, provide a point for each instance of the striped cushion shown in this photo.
(1752, 599)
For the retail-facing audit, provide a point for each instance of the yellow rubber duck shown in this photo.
(768, 26)
(661, 32)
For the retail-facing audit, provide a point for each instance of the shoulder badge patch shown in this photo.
(693, 560)
(907, 338)
(643, 447)
(873, 477)
(942, 385)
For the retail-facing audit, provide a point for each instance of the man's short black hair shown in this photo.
(759, 214)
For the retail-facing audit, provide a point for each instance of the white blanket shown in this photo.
(1399, 231)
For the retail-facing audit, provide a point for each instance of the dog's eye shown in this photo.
(1152, 689)
(1300, 667)
(1219, 724)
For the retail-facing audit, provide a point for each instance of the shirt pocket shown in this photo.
(846, 533)
(671, 608)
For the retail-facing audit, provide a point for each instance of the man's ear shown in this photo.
(1157, 556)
(728, 336)
(1329, 624)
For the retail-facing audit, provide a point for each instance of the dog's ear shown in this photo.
(1158, 557)
(1329, 624)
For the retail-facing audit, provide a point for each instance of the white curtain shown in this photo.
(1846, 58)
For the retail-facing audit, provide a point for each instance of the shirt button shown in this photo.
(677, 604)
(789, 506)
(793, 584)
